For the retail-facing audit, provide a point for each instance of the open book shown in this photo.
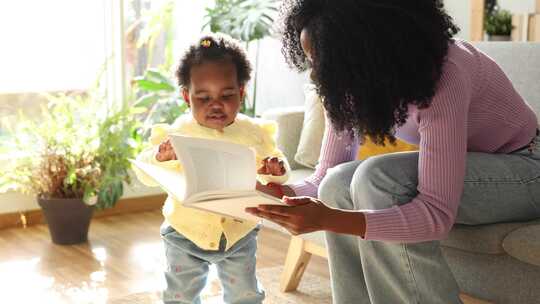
(216, 176)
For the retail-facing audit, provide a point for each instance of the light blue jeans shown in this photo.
(188, 266)
(498, 188)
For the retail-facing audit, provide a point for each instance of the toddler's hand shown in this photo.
(165, 152)
(272, 166)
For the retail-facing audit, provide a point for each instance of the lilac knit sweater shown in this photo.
(475, 109)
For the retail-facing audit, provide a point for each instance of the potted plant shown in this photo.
(73, 158)
(498, 24)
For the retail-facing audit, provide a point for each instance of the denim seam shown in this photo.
(532, 180)
(534, 201)
(498, 181)
(412, 280)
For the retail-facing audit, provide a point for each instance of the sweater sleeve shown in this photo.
(337, 147)
(441, 169)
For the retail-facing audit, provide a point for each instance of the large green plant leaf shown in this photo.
(159, 97)
(246, 20)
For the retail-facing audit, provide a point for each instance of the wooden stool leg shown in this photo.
(295, 264)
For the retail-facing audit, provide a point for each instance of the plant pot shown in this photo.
(499, 38)
(68, 219)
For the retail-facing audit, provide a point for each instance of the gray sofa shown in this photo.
(499, 263)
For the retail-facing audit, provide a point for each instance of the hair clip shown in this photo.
(206, 43)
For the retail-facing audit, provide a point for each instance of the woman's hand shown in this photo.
(307, 214)
(271, 190)
(165, 152)
(303, 215)
(272, 166)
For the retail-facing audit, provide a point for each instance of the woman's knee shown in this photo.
(334, 188)
(380, 183)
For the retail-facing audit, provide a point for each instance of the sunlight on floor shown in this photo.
(24, 281)
(18, 277)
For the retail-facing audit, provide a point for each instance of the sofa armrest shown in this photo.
(289, 121)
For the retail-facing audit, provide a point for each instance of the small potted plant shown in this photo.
(74, 158)
(498, 25)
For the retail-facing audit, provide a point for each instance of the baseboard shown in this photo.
(126, 205)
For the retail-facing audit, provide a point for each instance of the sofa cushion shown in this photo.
(486, 239)
(521, 63)
(289, 121)
(299, 175)
(524, 244)
(309, 147)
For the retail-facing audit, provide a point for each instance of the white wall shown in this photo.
(459, 10)
(15, 202)
(277, 85)
(518, 6)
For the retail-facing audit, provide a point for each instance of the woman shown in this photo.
(387, 69)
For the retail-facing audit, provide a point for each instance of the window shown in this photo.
(48, 46)
(52, 45)
(62, 45)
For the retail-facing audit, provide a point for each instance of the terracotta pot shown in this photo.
(68, 219)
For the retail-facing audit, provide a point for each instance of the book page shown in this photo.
(216, 195)
(172, 182)
(234, 206)
(211, 165)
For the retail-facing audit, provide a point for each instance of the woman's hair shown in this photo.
(371, 58)
(212, 48)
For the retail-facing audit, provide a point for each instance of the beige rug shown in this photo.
(312, 290)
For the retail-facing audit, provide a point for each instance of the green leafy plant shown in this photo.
(246, 20)
(490, 6)
(498, 22)
(154, 91)
(78, 148)
(158, 22)
(160, 99)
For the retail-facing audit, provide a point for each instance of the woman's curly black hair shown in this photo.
(214, 47)
(371, 58)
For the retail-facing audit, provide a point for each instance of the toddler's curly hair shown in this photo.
(211, 48)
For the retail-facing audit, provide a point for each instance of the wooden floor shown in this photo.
(124, 255)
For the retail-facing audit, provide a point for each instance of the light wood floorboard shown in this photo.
(123, 256)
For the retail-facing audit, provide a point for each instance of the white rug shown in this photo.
(312, 290)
